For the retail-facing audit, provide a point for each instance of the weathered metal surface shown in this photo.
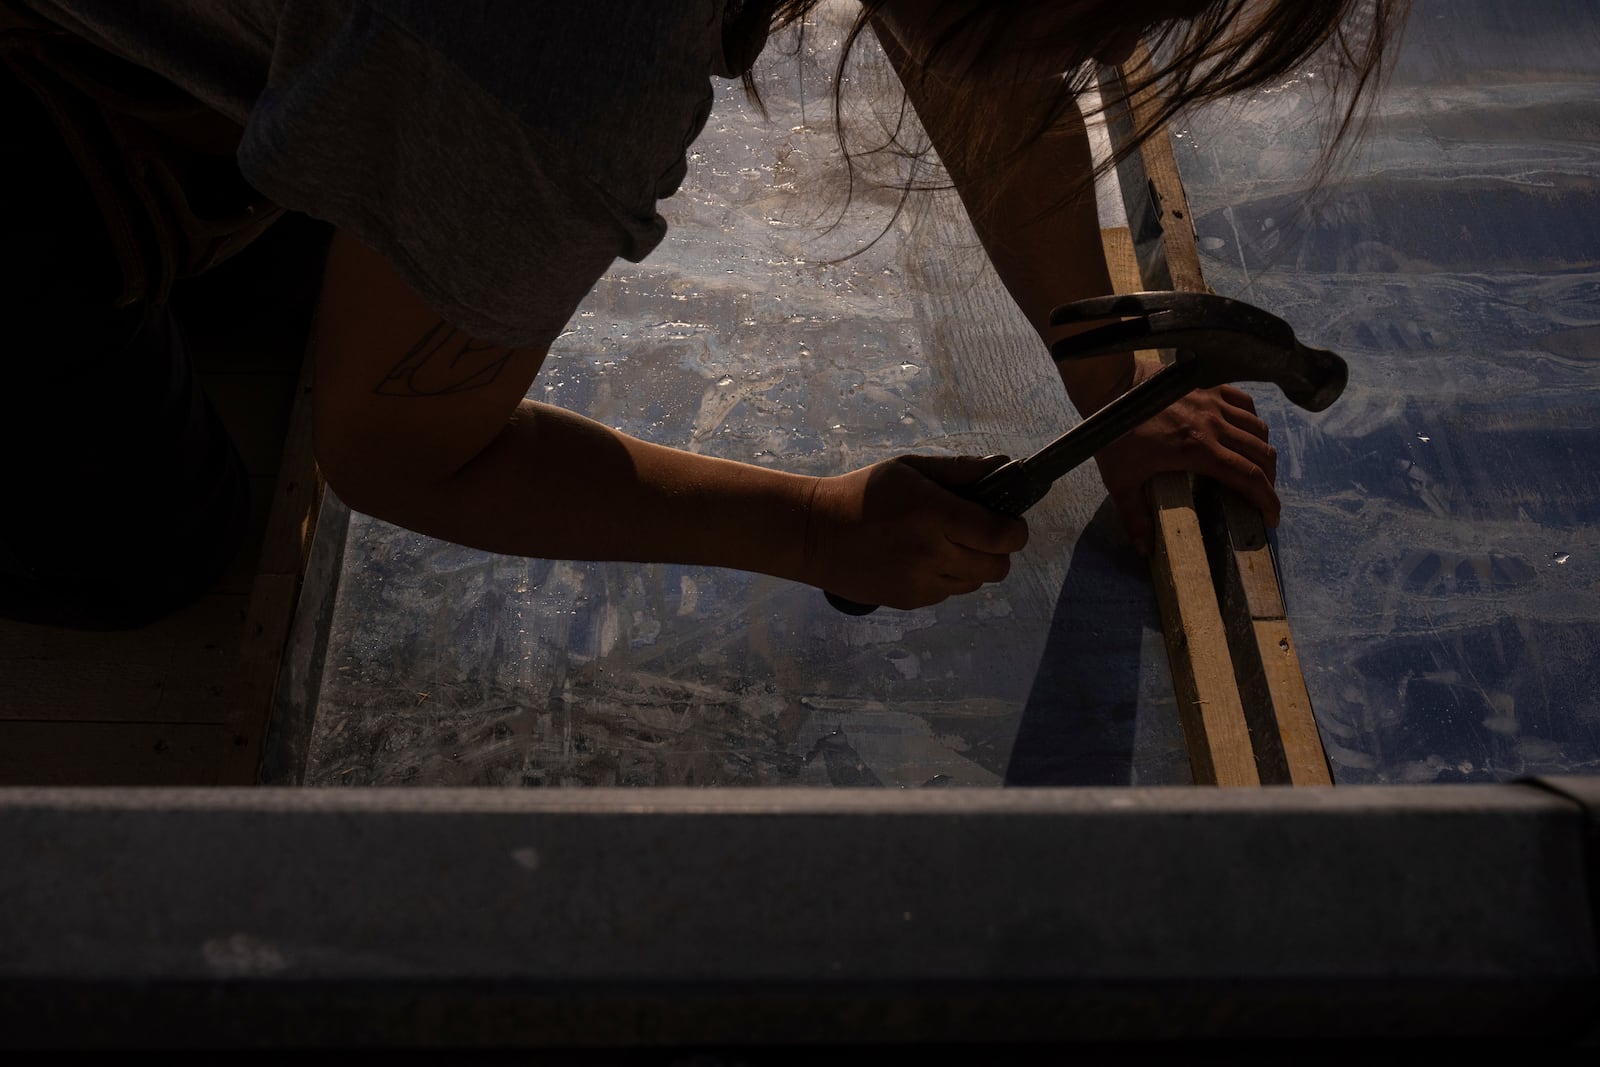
(1441, 540)
(485, 917)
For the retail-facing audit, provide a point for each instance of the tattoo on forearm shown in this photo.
(443, 361)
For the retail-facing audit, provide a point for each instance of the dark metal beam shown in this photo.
(281, 917)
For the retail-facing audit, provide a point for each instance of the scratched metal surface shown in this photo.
(737, 338)
(1440, 545)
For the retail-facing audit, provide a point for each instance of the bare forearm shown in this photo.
(427, 427)
(559, 486)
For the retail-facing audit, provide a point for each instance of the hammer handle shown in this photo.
(1017, 486)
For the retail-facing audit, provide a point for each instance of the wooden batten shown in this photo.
(280, 575)
(1232, 598)
(1210, 706)
(1277, 705)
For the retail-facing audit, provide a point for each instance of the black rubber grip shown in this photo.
(850, 607)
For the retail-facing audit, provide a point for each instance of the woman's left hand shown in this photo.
(1211, 432)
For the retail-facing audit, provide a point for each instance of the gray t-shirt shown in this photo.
(499, 153)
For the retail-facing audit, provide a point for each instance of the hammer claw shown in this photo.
(1231, 341)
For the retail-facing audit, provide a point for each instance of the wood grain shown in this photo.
(1266, 662)
(1269, 681)
(1209, 703)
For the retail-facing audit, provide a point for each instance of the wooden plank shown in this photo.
(285, 549)
(1171, 206)
(179, 669)
(1291, 704)
(1271, 685)
(76, 753)
(1209, 703)
(1266, 663)
(298, 687)
(1123, 264)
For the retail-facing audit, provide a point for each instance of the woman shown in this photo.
(484, 163)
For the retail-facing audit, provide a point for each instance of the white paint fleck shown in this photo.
(242, 956)
(1502, 724)
(688, 595)
(610, 630)
(1561, 558)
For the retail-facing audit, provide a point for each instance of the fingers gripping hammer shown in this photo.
(1218, 341)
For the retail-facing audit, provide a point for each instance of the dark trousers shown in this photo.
(124, 496)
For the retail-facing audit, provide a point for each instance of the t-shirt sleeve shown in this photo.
(366, 127)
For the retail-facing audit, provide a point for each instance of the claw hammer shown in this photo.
(1218, 341)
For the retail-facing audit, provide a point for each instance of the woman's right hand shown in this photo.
(895, 534)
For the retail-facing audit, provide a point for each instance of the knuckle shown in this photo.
(1009, 537)
(914, 598)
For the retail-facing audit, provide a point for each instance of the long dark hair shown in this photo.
(1219, 49)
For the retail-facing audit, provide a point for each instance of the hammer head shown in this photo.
(1219, 340)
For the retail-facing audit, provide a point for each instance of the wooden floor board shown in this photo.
(182, 669)
(79, 753)
(173, 702)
